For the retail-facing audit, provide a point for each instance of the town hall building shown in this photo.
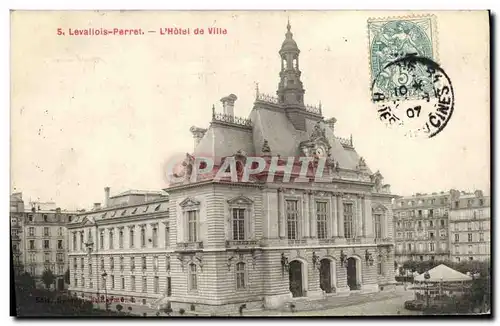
(213, 245)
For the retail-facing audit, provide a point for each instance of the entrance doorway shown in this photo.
(352, 274)
(325, 275)
(60, 284)
(295, 278)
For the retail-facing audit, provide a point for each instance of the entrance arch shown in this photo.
(327, 275)
(353, 272)
(297, 278)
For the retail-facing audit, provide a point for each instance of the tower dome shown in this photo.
(289, 43)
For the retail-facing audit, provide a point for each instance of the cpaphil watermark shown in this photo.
(187, 168)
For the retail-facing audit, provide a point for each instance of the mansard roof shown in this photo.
(273, 125)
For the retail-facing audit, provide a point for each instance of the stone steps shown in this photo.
(337, 301)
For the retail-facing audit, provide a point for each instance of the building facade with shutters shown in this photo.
(262, 241)
(39, 239)
(421, 225)
(470, 232)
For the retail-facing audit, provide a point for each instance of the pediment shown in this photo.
(240, 200)
(189, 202)
(377, 207)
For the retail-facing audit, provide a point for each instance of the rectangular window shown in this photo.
(82, 263)
(132, 283)
(292, 219)
(90, 269)
(101, 239)
(457, 250)
(31, 231)
(132, 263)
(111, 239)
(348, 220)
(192, 226)
(470, 249)
(481, 236)
(46, 232)
(59, 244)
(457, 237)
(193, 280)
(469, 237)
(131, 242)
(432, 246)
(321, 215)
(111, 263)
(155, 263)
(122, 265)
(112, 282)
(419, 213)
(169, 286)
(155, 236)
(238, 224)
(431, 213)
(120, 239)
(167, 236)
(156, 284)
(144, 284)
(143, 237)
(144, 266)
(378, 225)
(240, 276)
(32, 244)
(380, 267)
(47, 258)
(167, 263)
(46, 244)
(123, 283)
(431, 235)
(102, 264)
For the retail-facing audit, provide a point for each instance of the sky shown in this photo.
(94, 111)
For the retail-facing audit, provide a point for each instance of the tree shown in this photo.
(48, 278)
(67, 277)
(119, 307)
(25, 281)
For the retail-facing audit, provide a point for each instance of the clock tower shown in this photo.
(290, 89)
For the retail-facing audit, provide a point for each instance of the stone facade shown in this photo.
(470, 231)
(121, 250)
(421, 223)
(39, 239)
(262, 242)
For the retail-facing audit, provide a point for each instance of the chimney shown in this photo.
(228, 104)
(97, 206)
(198, 134)
(106, 196)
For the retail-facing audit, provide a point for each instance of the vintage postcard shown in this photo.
(250, 163)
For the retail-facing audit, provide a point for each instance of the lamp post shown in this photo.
(427, 276)
(104, 275)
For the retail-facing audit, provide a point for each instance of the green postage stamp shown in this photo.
(395, 38)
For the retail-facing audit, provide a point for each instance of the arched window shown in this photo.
(240, 276)
(193, 278)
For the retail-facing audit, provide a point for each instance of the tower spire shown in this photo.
(290, 89)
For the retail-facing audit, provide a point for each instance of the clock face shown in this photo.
(320, 151)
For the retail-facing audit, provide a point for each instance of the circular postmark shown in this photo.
(415, 94)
